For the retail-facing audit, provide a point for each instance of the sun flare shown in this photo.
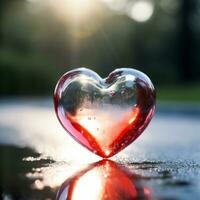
(76, 10)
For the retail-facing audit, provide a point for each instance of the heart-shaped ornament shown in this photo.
(104, 115)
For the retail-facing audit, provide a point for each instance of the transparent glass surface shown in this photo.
(104, 115)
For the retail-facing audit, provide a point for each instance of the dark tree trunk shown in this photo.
(186, 36)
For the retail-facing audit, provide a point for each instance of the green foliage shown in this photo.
(185, 93)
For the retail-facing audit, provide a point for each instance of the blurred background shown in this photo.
(40, 40)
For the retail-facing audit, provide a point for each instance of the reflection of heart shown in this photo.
(104, 115)
(104, 180)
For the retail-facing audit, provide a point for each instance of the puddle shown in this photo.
(37, 156)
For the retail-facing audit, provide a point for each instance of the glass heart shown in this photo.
(104, 180)
(104, 115)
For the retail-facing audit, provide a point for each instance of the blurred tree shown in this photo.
(39, 44)
(186, 35)
(3, 5)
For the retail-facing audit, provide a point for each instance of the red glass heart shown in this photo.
(104, 180)
(104, 115)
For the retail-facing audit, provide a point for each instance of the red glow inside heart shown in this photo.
(104, 124)
(102, 129)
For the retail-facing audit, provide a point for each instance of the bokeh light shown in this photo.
(141, 11)
(116, 5)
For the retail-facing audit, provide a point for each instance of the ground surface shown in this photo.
(37, 156)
